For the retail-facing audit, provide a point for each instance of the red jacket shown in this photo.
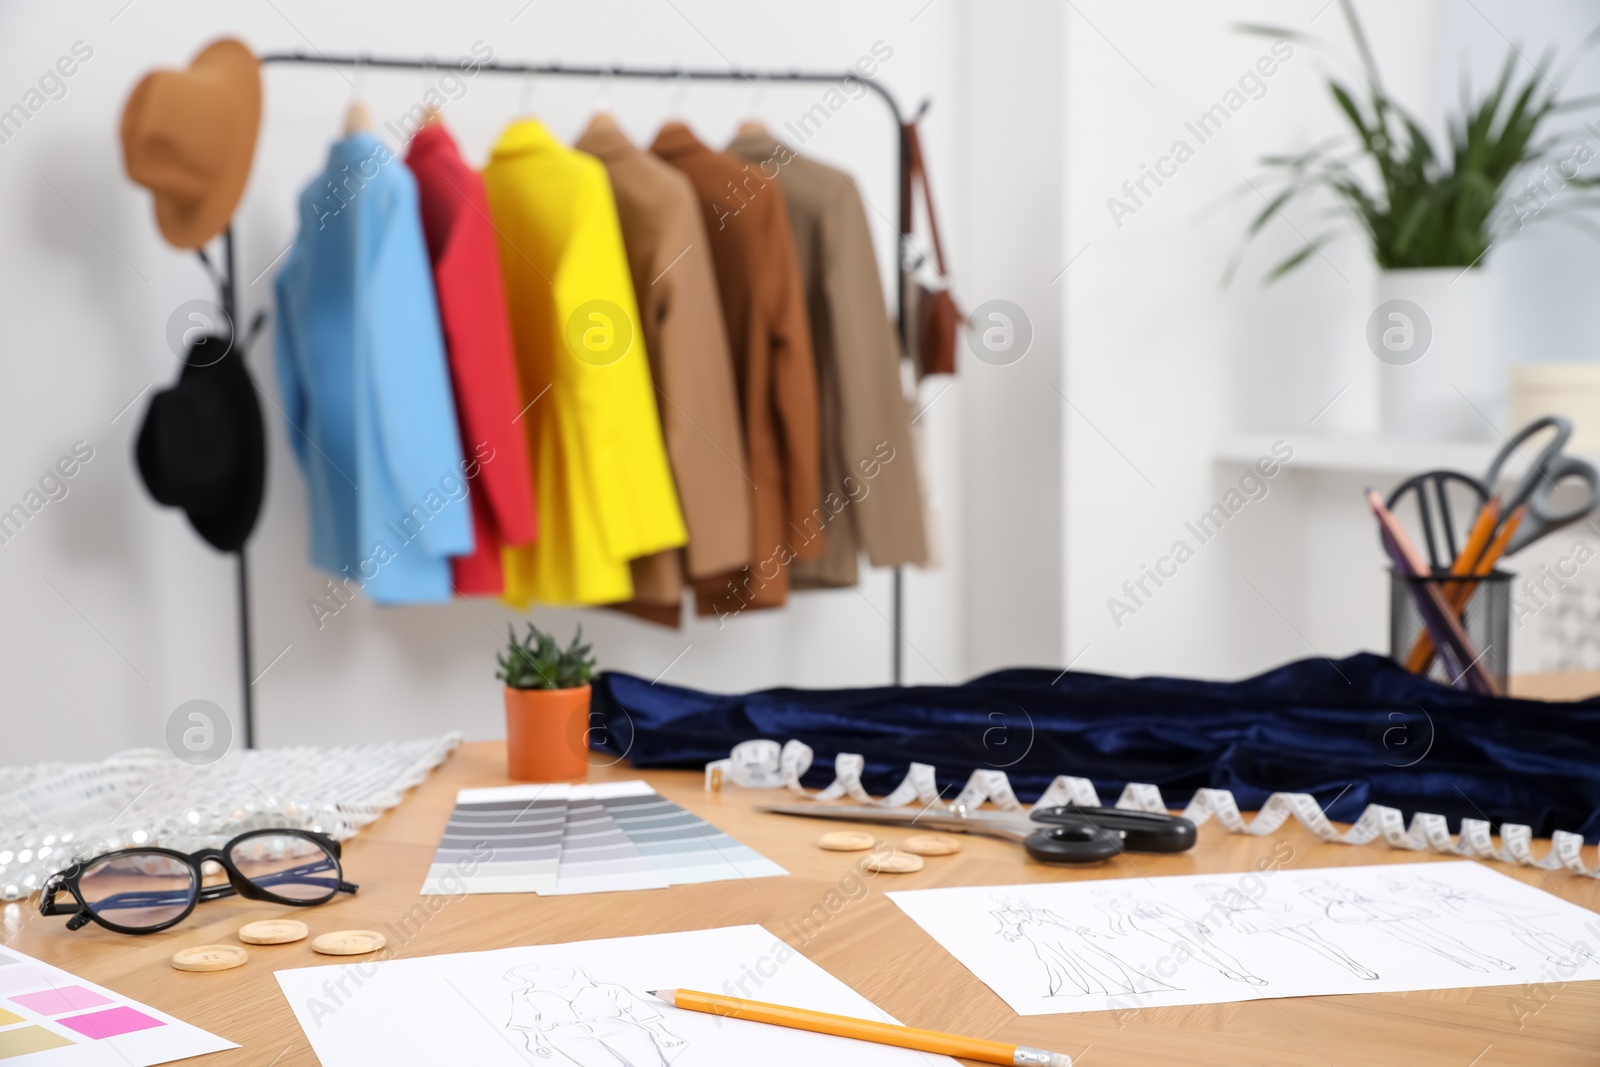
(477, 335)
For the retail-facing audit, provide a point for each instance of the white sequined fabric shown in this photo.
(52, 814)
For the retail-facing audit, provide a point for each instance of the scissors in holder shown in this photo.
(1069, 833)
(1539, 483)
(1445, 501)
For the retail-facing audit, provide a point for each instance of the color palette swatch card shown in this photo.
(563, 839)
(50, 1018)
(596, 855)
(682, 846)
(505, 839)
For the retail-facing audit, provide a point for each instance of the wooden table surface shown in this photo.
(869, 944)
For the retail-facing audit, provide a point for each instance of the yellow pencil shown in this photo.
(817, 1022)
(1459, 593)
(1462, 566)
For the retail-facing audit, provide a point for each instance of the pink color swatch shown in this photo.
(109, 1023)
(64, 999)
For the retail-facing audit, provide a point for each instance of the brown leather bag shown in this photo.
(933, 320)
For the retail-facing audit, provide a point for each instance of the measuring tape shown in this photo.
(767, 765)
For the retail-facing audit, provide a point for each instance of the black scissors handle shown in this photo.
(1441, 543)
(1074, 843)
(1093, 831)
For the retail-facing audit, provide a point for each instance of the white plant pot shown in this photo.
(1434, 332)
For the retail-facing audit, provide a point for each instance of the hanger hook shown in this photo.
(360, 71)
(602, 95)
(758, 92)
(525, 98)
(680, 89)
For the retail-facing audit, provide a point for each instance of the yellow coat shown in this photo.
(601, 478)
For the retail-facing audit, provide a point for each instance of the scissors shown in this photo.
(1436, 513)
(1069, 833)
(1539, 482)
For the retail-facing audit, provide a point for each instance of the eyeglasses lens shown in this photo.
(288, 866)
(137, 889)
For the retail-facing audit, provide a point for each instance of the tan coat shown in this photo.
(763, 302)
(681, 320)
(867, 450)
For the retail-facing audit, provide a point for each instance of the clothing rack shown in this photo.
(230, 309)
(902, 194)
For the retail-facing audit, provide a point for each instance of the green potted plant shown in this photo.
(547, 705)
(1431, 216)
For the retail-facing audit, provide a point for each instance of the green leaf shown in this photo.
(1421, 204)
(537, 661)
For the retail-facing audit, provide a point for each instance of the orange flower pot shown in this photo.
(547, 733)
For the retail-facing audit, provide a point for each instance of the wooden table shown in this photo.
(1556, 685)
(869, 944)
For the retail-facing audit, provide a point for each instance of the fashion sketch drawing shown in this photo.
(1466, 905)
(1248, 916)
(1075, 958)
(1404, 922)
(1184, 936)
(567, 1017)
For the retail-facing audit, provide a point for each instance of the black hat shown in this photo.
(203, 446)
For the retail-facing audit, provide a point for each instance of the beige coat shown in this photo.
(669, 256)
(763, 303)
(867, 451)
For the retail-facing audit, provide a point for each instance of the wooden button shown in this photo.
(348, 942)
(846, 841)
(894, 863)
(273, 932)
(932, 845)
(209, 958)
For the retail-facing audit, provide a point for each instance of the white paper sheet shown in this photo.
(584, 1003)
(51, 1018)
(1209, 939)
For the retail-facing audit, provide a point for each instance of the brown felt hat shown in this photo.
(189, 136)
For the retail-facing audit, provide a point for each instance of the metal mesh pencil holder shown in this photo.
(1484, 608)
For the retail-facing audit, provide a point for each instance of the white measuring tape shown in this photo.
(766, 765)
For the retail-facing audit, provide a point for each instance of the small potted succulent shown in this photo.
(547, 705)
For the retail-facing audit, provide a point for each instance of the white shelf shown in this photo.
(1355, 454)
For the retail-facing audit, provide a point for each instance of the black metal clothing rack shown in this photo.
(754, 79)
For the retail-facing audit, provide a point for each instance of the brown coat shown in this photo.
(763, 302)
(867, 452)
(670, 259)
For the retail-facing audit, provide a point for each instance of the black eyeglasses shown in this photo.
(143, 890)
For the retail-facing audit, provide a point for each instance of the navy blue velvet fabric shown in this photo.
(1349, 731)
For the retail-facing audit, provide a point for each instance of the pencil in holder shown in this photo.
(1482, 604)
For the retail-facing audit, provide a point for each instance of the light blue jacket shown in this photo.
(366, 393)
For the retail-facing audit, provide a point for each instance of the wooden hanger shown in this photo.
(753, 126)
(357, 119)
(604, 122)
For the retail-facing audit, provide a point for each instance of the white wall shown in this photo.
(1161, 361)
(116, 612)
(1048, 500)
(1009, 248)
